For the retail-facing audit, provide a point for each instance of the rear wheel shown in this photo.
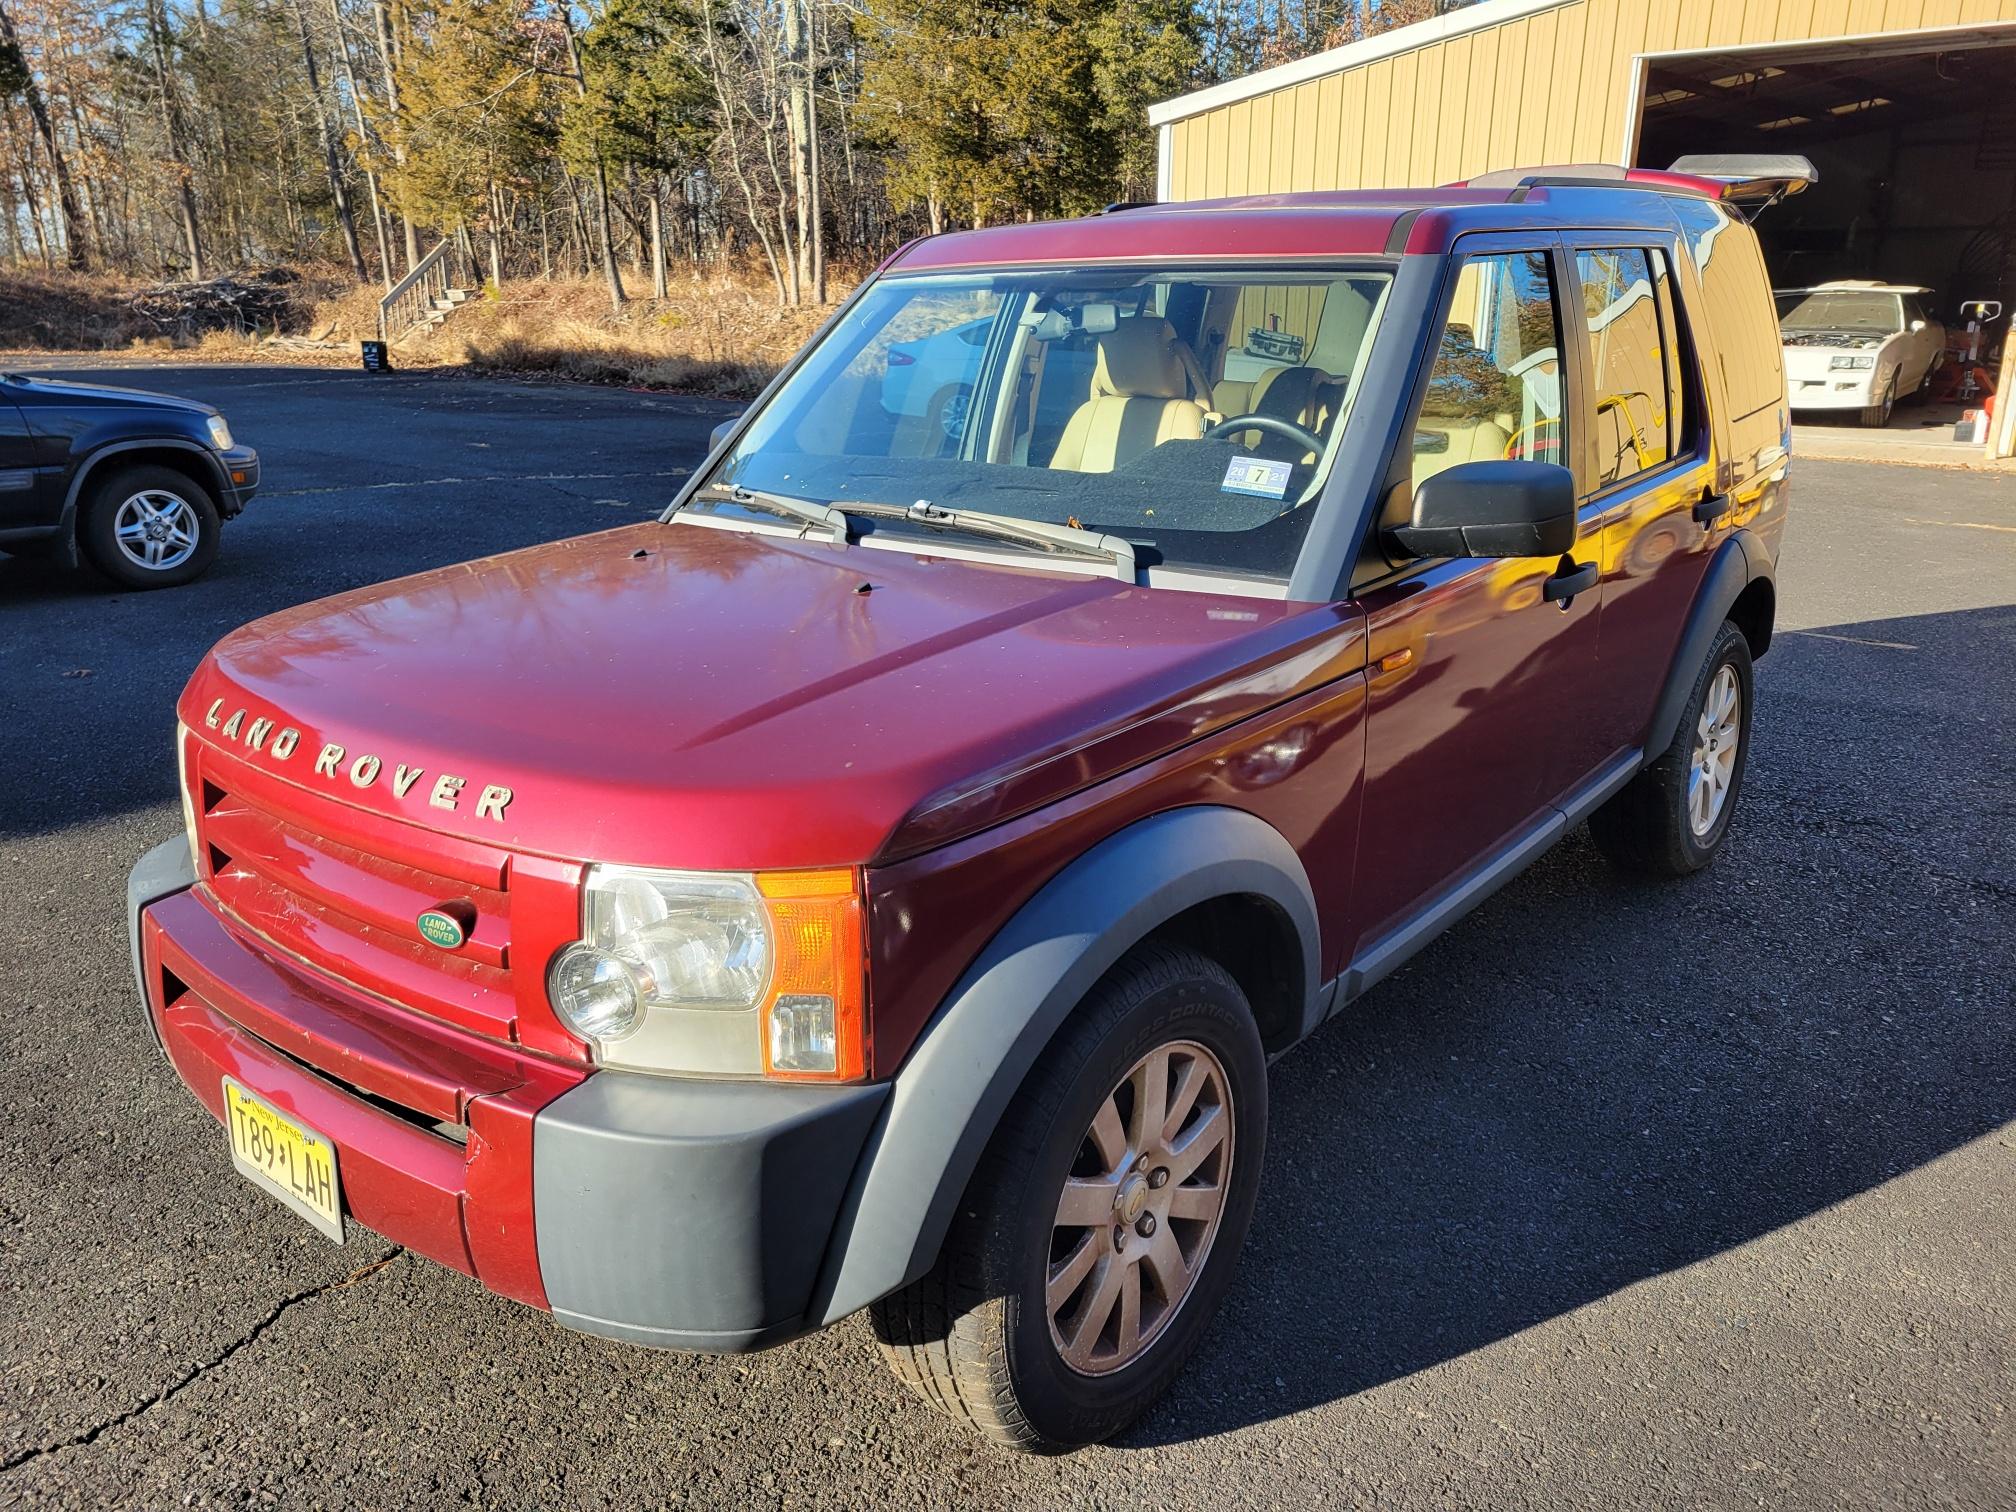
(149, 527)
(1104, 1223)
(949, 411)
(1671, 818)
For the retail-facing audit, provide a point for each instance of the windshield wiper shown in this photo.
(822, 517)
(1054, 540)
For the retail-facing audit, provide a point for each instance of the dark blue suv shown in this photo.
(138, 484)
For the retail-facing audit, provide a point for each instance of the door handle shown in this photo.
(1711, 508)
(1565, 584)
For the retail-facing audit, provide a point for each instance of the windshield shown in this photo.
(1094, 399)
(1840, 310)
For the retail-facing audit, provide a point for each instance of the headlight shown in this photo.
(1837, 363)
(220, 433)
(718, 973)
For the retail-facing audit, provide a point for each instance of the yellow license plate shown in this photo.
(287, 1160)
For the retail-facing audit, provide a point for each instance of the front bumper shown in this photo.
(1832, 395)
(241, 473)
(667, 1212)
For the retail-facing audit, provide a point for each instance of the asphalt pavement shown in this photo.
(1620, 1195)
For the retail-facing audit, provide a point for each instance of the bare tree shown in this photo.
(171, 131)
(611, 274)
(76, 247)
(331, 161)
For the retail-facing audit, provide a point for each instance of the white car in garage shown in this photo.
(1857, 345)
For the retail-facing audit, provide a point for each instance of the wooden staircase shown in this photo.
(439, 285)
(444, 304)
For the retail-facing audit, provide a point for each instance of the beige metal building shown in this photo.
(1907, 107)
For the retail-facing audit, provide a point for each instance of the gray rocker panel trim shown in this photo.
(977, 1051)
(1393, 949)
(165, 870)
(1727, 576)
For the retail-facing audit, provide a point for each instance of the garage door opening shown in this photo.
(1915, 142)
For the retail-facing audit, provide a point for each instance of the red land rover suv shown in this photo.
(883, 881)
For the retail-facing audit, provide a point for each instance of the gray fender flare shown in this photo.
(1738, 561)
(979, 1048)
(220, 485)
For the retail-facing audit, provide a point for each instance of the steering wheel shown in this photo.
(1543, 436)
(1273, 424)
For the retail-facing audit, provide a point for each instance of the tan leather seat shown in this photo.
(1467, 440)
(1140, 398)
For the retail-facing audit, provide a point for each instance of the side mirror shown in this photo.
(1917, 325)
(1492, 509)
(720, 432)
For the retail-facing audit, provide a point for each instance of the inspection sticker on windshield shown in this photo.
(1257, 476)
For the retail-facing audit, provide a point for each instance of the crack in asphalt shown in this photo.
(189, 1378)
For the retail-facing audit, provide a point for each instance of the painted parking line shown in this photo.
(1958, 524)
(1852, 640)
(457, 482)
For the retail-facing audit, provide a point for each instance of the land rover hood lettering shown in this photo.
(360, 769)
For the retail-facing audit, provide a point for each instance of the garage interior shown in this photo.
(1915, 147)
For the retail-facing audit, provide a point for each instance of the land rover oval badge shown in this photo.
(441, 928)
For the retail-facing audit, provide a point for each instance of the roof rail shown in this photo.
(1118, 205)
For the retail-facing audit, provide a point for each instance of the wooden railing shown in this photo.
(412, 300)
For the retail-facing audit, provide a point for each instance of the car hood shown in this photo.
(21, 386)
(675, 695)
(1840, 339)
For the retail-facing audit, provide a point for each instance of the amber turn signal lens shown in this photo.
(815, 1021)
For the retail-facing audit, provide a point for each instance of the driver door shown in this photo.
(1475, 673)
(18, 474)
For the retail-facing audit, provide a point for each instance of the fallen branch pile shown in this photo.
(243, 302)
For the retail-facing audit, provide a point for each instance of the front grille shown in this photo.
(341, 890)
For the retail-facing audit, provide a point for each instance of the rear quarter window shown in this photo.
(1738, 317)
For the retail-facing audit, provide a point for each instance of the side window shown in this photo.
(1637, 402)
(1495, 389)
(1739, 328)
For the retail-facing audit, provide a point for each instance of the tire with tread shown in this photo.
(1644, 828)
(101, 507)
(1876, 416)
(972, 1337)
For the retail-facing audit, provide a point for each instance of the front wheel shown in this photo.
(1877, 415)
(150, 527)
(1103, 1225)
(1671, 818)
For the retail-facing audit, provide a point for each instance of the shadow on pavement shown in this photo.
(1489, 1140)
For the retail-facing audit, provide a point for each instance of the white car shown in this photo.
(932, 376)
(1857, 345)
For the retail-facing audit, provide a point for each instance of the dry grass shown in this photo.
(716, 332)
(94, 312)
(67, 312)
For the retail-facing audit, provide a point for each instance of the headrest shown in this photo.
(1137, 360)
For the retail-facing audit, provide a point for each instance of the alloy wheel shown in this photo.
(1140, 1209)
(1717, 735)
(952, 415)
(156, 530)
